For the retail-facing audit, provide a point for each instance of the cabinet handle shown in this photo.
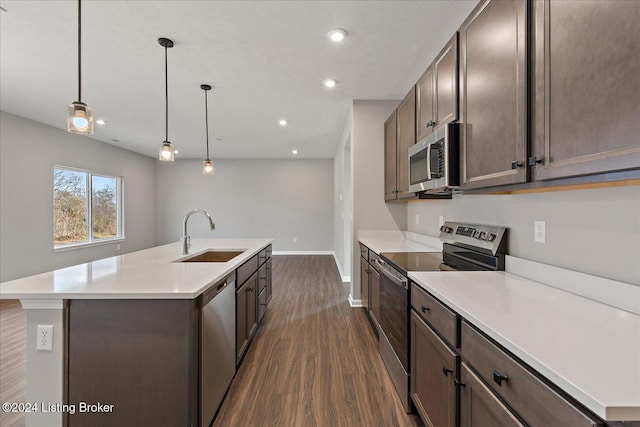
(516, 164)
(534, 161)
(459, 383)
(425, 309)
(249, 289)
(446, 371)
(498, 378)
(367, 271)
(431, 123)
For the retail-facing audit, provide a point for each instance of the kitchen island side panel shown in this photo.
(137, 355)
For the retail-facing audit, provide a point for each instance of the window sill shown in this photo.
(74, 246)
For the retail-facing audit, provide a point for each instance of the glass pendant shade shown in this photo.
(80, 118)
(207, 167)
(167, 152)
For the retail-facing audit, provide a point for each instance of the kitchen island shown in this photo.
(125, 333)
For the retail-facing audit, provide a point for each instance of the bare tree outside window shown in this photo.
(78, 195)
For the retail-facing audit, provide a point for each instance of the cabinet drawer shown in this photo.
(262, 256)
(444, 321)
(269, 251)
(262, 277)
(262, 304)
(246, 270)
(364, 252)
(532, 399)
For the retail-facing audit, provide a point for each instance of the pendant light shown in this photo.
(79, 114)
(167, 152)
(207, 165)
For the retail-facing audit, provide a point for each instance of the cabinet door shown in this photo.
(433, 370)
(424, 105)
(587, 87)
(252, 300)
(364, 283)
(479, 407)
(390, 159)
(269, 280)
(374, 295)
(493, 94)
(446, 84)
(242, 338)
(406, 138)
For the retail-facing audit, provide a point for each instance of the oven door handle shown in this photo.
(385, 270)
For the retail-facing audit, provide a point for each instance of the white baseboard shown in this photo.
(302, 253)
(345, 279)
(355, 302)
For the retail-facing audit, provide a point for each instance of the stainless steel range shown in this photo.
(466, 247)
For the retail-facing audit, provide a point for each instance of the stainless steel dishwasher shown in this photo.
(217, 345)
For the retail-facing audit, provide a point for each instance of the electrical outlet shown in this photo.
(295, 240)
(417, 219)
(117, 247)
(440, 221)
(539, 231)
(44, 338)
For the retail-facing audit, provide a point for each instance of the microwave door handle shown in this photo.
(429, 160)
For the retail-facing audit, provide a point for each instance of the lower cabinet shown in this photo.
(374, 292)
(246, 321)
(365, 270)
(479, 407)
(433, 374)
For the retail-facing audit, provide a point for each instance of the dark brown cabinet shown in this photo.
(493, 100)
(479, 407)
(269, 273)
(433, 374)
(364, 283)
(390, 156)
(437, 91)
(374, 292)
(399, 135)
(586, 87)
(246, 322)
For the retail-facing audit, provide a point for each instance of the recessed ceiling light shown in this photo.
(294, 151)
(100, 122)
(337, 34)
(176, 152)
(283, 122)
(330, 83)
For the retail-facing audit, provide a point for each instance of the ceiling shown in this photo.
(266, 61)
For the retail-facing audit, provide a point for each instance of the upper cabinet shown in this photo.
(493, 102)
(586, 85)
(399, 135)
(437, 91)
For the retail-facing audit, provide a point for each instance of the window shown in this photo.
(87, 208)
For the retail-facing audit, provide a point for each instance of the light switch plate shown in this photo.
(540, 231)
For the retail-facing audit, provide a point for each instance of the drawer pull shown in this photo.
(459, 383)
(425, 309)
(498, 378)
(446, 371)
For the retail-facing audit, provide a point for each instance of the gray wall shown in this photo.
(343, 202)
(595, 231)
(370, 212)
(28, 153)
(265, 198)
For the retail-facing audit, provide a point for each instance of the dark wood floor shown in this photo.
(314, 361)
(13, 359)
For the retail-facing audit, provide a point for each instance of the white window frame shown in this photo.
(119, 211)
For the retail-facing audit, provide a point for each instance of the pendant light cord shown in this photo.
(166, 96)
(79, 52)
(206, 114)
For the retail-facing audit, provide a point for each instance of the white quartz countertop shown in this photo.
(147, 274)
(589, 349)
(381, 241)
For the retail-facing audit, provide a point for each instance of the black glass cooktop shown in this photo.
(413, 261)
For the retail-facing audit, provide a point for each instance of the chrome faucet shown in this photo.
(186, 239)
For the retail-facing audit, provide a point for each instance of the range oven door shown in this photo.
(394, 329)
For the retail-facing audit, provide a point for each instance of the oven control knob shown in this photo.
(477, 234)
(446, 229)
(491, 237)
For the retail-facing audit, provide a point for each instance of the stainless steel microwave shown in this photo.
(434, 162)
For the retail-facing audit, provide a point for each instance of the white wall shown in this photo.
(370, 212)
(28, 153)
(261, 198)
(595, 231)
(343, 201)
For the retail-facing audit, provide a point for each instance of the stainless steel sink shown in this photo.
(213, 256)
